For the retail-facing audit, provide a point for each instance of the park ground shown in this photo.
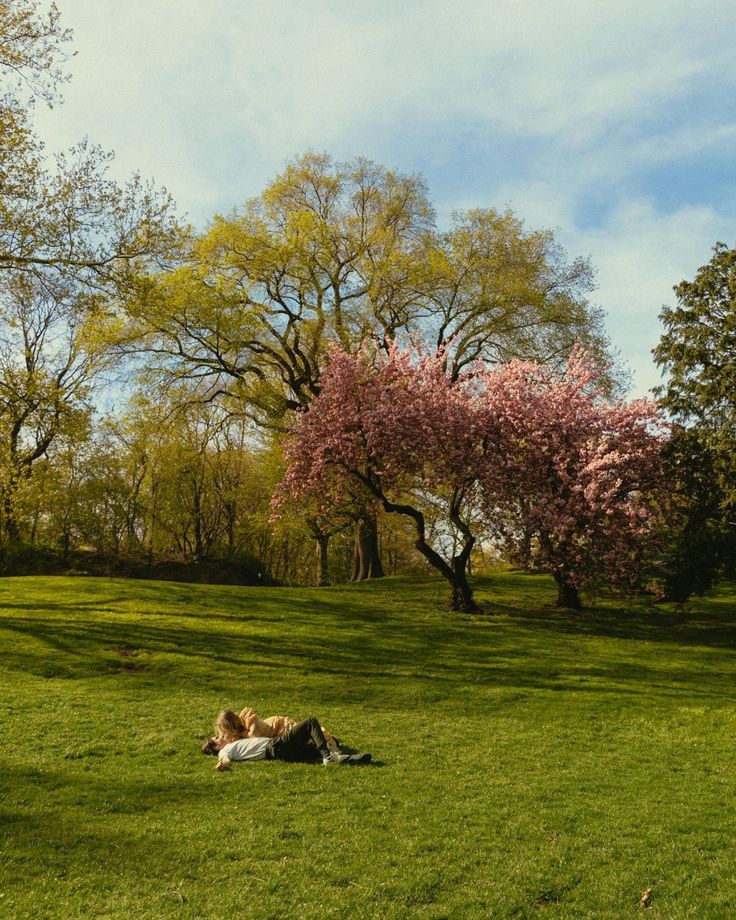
(528, 763)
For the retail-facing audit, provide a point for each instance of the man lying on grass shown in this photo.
(231, 726)
(304, 743)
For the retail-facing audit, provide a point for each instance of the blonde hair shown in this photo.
(229, 727)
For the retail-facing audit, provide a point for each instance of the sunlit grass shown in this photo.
(529, 762)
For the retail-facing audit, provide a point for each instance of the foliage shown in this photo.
(68, 219)
(698, 352)
(698, 347)
(168, 482)
(52, 345)
(70, 240)
(577, 473)
(533, 764)
(546, 454)
(266, 290)
(696, 543)
(494, 291)
(348, 253)
(32, 49)
(401, 430)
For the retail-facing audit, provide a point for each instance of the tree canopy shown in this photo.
(71, 241)
(533, 449)
(349, 253)
(697, 351)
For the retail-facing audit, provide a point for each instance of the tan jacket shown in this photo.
(273, 726)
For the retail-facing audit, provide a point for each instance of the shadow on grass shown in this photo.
(365, 634)
(650, 625)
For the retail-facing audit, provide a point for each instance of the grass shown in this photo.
(529, 763)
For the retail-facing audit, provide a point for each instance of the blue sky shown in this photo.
(614, 124)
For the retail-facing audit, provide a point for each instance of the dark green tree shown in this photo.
(698, 353)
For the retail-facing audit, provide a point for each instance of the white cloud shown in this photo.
(231, 89)
(640, 255)
(546, 106)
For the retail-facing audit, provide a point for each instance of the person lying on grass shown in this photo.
(303, 743)
(231, 726)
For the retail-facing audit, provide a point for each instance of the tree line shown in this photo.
(150, 372)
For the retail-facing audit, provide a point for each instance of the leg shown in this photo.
(299, 743)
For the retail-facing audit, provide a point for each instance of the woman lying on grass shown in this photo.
(304, 742)
(230, 726)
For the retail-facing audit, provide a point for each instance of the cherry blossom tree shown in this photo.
(577, 472)
(542, 452)
(402, 431)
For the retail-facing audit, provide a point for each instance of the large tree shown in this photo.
(697, 351)
(348, 253)
(406, 435)
(71, 241)
(580, 475)
(544, 450)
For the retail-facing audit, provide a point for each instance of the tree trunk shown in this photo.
(197, 514)
(461, 598)
(567, 593)
(366, 554)
(230, 513)
(323, 564)
(12, 530)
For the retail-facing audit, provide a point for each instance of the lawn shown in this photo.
(528, 762)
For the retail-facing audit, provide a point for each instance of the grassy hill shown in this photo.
(529, 763)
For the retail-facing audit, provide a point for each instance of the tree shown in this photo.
(577, 473)
(401, 430)
(50, 348)
(71, 240)
(68, 218)
(32, 49)
(696, 543)
(698, 353)
(348, 253)
(544, 450)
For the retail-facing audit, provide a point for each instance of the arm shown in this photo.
(279, 725)
(255, 727)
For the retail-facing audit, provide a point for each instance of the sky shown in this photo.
(613, 124)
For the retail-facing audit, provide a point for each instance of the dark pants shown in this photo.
(303, 743)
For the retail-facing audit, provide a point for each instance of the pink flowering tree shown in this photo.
(401, 431)
(577, 472)
(544, 454)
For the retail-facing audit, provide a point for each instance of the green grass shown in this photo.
(530, 763)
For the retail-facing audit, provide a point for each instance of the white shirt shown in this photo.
(246, 749)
